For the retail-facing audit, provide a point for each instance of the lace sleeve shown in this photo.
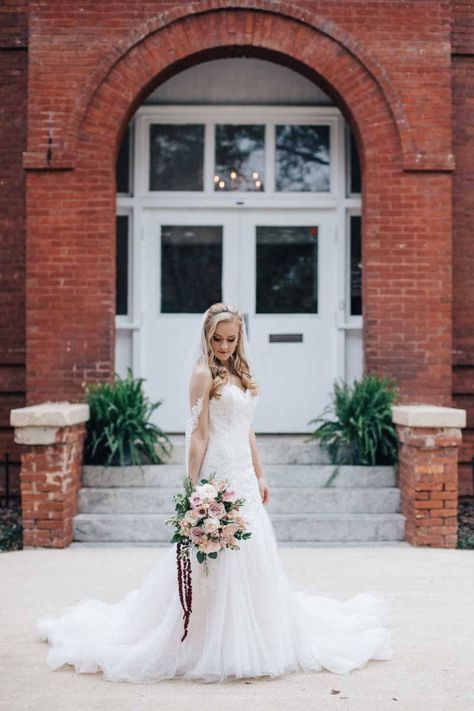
(197, 423)
(193, 419)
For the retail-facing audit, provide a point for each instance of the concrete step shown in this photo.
(273, 449)
(288, 527)
(283, 499)
(282, 544)
(298, 475)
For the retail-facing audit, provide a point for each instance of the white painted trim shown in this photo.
(210, 115)
(141, 199)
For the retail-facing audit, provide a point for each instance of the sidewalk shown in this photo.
(430, 593)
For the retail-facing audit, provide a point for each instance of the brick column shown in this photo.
(428, 472)
(51, 467)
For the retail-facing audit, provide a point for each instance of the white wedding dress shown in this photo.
(246, 619)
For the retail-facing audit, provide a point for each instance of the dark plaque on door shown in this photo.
(285, 337)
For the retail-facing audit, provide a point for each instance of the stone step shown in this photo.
(298, 475)
(288, 527)
(273, 449)
(282, 544)
(283, 499)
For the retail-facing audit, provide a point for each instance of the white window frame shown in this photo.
(270, 116)
(141, 198)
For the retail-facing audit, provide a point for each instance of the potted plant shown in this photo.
(119, 431)
(356, 427)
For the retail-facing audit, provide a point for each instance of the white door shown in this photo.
(289, 291)
(278, 267)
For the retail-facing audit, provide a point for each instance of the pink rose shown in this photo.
(195, 500)
(216, 510)
(230, 541)
(197, 534)
(192, 516)
(212, 546)
(222, 485)
(230, 529)
(229, 495)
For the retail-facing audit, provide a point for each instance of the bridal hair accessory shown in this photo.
(207, 520)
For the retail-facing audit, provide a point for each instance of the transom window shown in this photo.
(244, 156)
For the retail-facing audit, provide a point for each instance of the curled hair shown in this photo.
(238, 365)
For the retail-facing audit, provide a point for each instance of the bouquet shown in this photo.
(207, 519)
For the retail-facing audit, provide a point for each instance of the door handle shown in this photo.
(246, 320)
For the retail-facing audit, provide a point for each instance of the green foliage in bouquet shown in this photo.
(356, 427)
(119, 432)
(182, 505)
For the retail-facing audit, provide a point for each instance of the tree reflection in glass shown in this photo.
(302, 158)
(176, 156)
(239, 158)
(287, 269)
(187, 254)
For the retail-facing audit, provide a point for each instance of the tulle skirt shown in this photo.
(246, 621)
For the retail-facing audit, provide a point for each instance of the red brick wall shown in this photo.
(463, 225)
(388, 69)
(13, 100)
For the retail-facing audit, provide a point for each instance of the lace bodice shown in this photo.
(228, 450)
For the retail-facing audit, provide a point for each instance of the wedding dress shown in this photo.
(246, 619)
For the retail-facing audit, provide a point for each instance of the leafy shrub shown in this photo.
(356, 427)
(11, 529)
(119, 431)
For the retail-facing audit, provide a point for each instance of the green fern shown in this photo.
(357, 428)
(119, 431)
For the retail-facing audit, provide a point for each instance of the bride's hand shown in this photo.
(264, 490)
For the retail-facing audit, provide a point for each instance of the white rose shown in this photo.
(207, 491)
(211, 524)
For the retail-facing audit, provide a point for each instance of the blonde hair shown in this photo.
(238, 365)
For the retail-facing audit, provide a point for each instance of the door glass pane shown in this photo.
(356, 267)
(287, 270)
(239, 158)
(121, 265)
(176, 156)
(302, 159)
(191, 267)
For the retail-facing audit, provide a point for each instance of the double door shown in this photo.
(279, 268)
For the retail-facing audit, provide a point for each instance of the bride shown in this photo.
(247, 620)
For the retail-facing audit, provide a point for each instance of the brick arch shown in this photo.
(406, 214)
(275, 30)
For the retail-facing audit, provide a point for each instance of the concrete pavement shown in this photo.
(430, 593)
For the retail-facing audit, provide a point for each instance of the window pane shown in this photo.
(176, 156)
(355, 181)
(302, 159)
(287, 270)
(191, 268)
(121, 264)
(239, 158)
(123, 165)
(356, 266)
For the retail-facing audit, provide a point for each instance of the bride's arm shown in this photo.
(199, 390)
(257, 465)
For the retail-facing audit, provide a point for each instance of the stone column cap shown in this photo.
(428, 416)
(50, 414)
